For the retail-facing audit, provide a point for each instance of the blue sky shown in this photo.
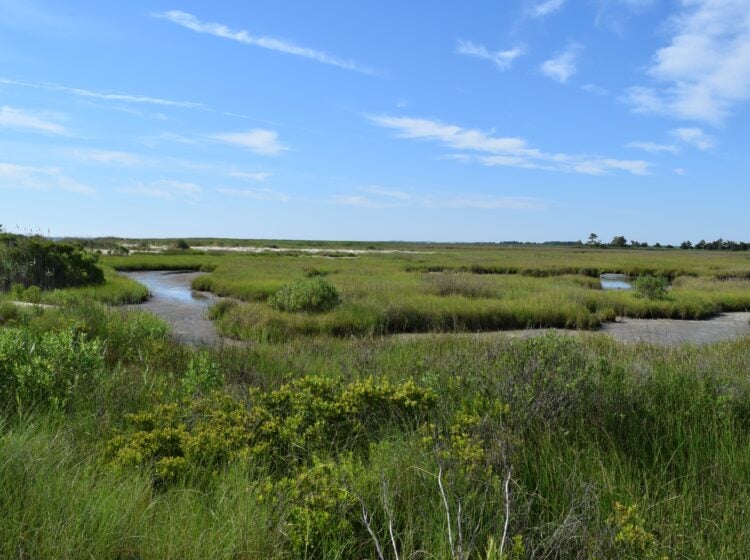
(445, 121)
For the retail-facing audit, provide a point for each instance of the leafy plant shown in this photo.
(313, 295)
(651, 287)
(47, 369)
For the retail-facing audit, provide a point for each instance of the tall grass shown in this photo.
(394, 293)
(578, 427)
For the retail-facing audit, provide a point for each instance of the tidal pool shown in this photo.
(615, 282)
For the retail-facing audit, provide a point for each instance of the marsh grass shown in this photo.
(458, 290)
(612, 451)
(581, 426)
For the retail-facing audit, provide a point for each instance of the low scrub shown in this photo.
(312, 295)
(651, 287)
(47, 370)
(36, 261)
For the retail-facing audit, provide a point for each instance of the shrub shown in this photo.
(39, 262)
(203, 375)
(284, 428)
(651, 287)
(47, 369)
(312, 295)
(8, 313)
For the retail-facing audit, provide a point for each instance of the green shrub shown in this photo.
(35, 261)
(312, 295)
(284, 428)
(48, 369)
(8, 313)
(651, 287)
(203, 375)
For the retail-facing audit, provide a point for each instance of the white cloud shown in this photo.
(703, 73)
(111, 96)
(654, 147)
(13, 176)
(191, 22)
(109, 157)
(256, 194)
(502, 59)
(258, 176)
(257, 140)
(546, 8)
(694, 137)
(490, 150)
(165, 189)
(564, 65)
(680, 171)
(20, 119)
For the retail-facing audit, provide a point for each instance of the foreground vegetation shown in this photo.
(459, 289)
(118, 443)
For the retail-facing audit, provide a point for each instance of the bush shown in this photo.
(651, 287)
(35, 261)
(8, 313)
(312, 295)
(46, 370)
(285, 428)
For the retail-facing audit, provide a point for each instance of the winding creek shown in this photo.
(185, 310)
(173, 300)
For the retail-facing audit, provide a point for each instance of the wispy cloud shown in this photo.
(11, 117)
(478, 146)
(13, 176)
(165, 189)
(191, 22)
(502, 59)
(257, 140)
(257, 176)
(256, 194)
(703, 73)
(107, 157)
(694, 137)
(563, 65)
(653, 147)
(105, 96)
(542, 9)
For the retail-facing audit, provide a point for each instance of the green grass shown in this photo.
(396, 293)
(580, 425)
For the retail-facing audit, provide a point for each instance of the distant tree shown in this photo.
(181, 244)
(619, 241)
(686, 245)
(593, 239)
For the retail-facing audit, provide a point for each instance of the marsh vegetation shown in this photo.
(119, 442)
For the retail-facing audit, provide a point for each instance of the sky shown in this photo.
(531, 120)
